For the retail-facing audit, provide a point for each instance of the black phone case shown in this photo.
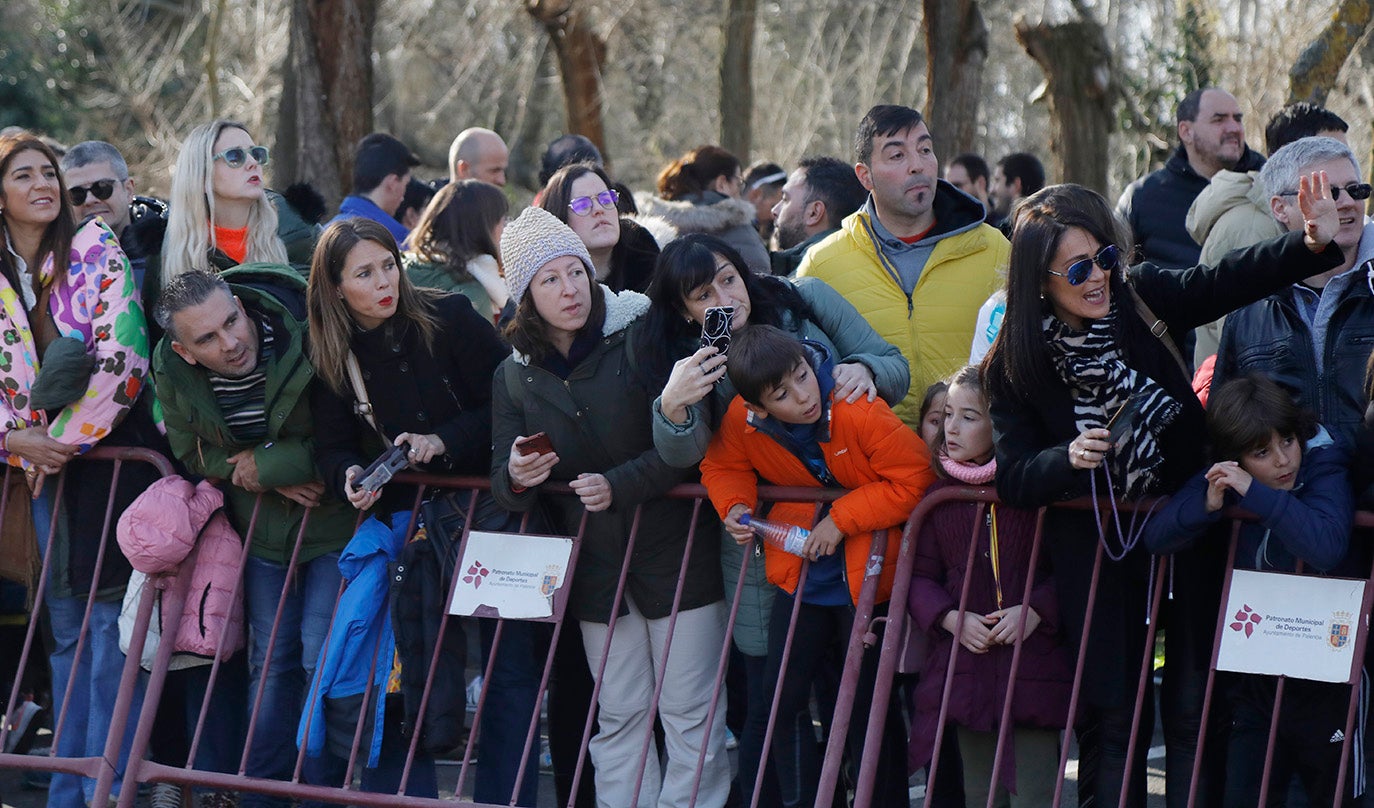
(716, 328)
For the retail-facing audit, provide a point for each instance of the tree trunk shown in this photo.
(737, 79)
(1315, 72)
(956, 48)
(326, 105)
(1079, 82)
(581, 57)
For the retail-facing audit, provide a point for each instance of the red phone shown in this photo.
(537, 443)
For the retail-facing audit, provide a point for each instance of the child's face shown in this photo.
(968, 430)
(932, 418)
(1276, 463)
(797, 400)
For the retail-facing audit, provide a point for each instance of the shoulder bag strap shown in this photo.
(1161, 331)
(362, 405)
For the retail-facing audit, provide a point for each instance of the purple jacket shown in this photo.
(157, 533)
(979, 688)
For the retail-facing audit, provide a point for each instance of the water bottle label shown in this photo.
(794, 542)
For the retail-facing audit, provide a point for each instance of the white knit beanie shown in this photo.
(535, 238)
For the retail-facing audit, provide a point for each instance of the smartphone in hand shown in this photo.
(538, 443)
(715, 327)
(1123, 421)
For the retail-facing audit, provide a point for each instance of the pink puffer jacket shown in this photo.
(158, 531)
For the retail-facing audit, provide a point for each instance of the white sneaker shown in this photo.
(19, 723)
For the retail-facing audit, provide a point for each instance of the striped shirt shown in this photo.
(243, 401)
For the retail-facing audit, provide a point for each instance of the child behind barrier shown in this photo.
(784, 429)
(1275, 462)
(987, 632)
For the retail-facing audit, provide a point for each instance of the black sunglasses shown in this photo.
(1357, 190)
(237, 156)
(1079, 271)
(100, 189)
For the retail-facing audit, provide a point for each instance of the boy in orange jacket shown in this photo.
(784, 429)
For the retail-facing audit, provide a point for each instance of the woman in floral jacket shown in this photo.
(73, 363)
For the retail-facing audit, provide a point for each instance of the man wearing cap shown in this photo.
(381, 171)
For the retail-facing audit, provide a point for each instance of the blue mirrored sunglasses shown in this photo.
(238, 156)
(1079, 271)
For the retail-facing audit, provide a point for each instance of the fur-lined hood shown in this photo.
(622, 308)
(706, 213)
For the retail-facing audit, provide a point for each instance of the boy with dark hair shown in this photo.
(784, 429)
(1275, 462)
(381, 171)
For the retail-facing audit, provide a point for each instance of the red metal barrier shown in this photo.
(101, 768)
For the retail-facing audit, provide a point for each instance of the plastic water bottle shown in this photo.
(788, 538)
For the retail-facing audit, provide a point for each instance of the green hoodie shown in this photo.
(201, 438)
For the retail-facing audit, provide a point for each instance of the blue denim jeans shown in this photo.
(512, 697)
(94, 680)
(306, 614)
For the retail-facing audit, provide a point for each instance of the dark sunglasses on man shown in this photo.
(1357, 190)
(1079, 271)
(100, 189)
(238, 156)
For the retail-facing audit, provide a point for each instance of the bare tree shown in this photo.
(581, 58)
(956, 48)
(1314, 74)
(1080, 84)
(326, 105)
(737, 79)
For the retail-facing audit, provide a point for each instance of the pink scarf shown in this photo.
(969, 473)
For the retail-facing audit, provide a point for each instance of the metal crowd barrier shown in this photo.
(896, 624)
(173, 598)
(101, 768)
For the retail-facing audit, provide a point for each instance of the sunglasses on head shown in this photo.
(1079, 271)
(582, 205)
(237, 156)
(100, 189)
(1357, 190)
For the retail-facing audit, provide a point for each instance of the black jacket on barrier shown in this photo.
(1033, 430)
(446, 391)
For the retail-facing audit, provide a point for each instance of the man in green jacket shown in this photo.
(234, 379)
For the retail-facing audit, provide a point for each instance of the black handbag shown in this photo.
(444, 516)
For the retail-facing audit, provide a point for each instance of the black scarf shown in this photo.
(1091, 364)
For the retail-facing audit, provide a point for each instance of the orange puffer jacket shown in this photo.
(869, 451)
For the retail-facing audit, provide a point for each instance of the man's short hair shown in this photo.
(1025, 167)
(1283, 169)
(1300, 120)
(974, 165)
(377, 157)
(95, 151)
(761, 358)
(881, 121)
(1187, 109)
(762, 174)
(184, 291)
(833, 182)
(565, 150)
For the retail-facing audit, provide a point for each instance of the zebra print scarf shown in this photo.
(1091, 364)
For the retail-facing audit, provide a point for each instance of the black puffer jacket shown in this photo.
(1272, 338)
(1156, 207)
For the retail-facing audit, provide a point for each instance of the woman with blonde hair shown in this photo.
(222, 214)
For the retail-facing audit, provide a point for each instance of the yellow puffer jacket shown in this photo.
(934, 328)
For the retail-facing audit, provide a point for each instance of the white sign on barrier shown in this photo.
(1292, 625)
(514, 574)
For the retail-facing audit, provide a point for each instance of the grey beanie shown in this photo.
(535, 238)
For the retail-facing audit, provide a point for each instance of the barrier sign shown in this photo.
(513, 575)
(1291, 625)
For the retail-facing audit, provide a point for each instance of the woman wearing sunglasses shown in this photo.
(580, 195)
(1078, 347)
(222, 214)
(75, 359)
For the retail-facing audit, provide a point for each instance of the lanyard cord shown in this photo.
(996, 560)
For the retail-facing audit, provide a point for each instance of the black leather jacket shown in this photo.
(1271, 337)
